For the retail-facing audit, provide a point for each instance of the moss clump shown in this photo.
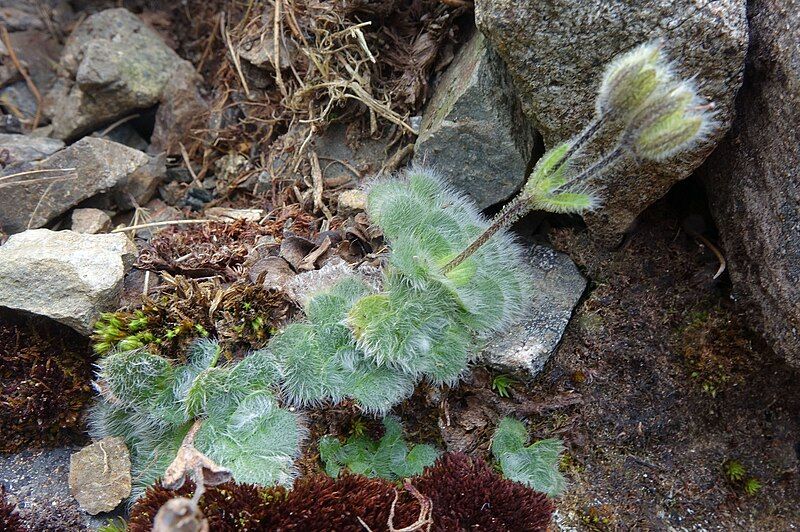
(718, 349)
(45, 382)
(466, 494)
(240, 314)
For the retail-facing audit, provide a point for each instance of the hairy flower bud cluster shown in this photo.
(662, 115)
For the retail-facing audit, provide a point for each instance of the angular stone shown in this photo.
(525, 348)
(115, 65)
(90, 221)
(100, 475)
(556, 51)
(141, 185)
(301, 288)
(351, 200)
(473, 130)
(25, 148)
(181, 109)
(84, 169)
(67, 276)
(753, 180)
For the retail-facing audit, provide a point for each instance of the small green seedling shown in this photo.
(536, 465)
(503, 384)
(736, 474)
(390, 457)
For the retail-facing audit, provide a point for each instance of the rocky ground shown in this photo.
(200, 166)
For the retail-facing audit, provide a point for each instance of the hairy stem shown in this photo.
(595, 168)
(511, 213)
(585, 136)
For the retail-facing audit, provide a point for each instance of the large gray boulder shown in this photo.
(556, 51)
(753, 179)
(473, 130)
(115, 64)
(80, 171)
(526, 347)
(67, 276)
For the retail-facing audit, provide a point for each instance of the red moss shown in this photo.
(45, 382)
(468, 495)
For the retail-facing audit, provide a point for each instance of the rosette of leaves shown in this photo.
(535, 465)
(152, 403)
(390, 457)
(374, 346)
(319, 360)
(424, 322)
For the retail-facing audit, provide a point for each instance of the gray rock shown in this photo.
(90, 221)
(38, 482)
(526, 347)
(753, 180)
(25, 148)
(67, 276)
(115, 65)
(141, 185)
(362, 157)
(473, 130)
(556, 51)
(19, 16)
(182, 108)
(301, 288)
(97, 165)
(19, 97)
(350, 201)
(100, 475)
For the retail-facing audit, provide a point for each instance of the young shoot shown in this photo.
(655, 116)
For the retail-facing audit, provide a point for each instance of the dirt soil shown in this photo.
(673, 386)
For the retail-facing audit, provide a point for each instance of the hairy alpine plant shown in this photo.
(535, 465)
(389, 458)
(151, 402)
(641, 103)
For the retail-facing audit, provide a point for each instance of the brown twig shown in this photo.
(24, 72)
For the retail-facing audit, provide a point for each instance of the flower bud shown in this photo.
(669, 123)
(630, 79)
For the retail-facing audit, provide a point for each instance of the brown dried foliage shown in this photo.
(362, 62)
(45, 376)
(465, 493)
(219, 248)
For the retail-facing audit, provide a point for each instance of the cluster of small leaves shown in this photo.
(466, 494)
(503, 384)
(389, 458)
(152, 402)
(534, 465)
(45, 376)
(737, 475)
